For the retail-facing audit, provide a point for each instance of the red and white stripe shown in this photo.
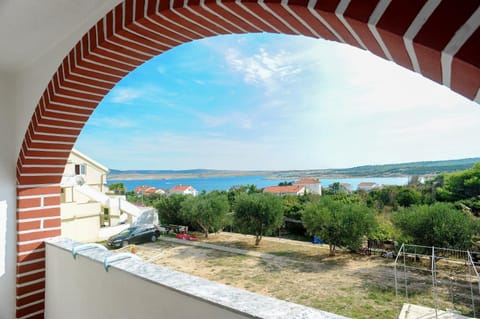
(439, 39)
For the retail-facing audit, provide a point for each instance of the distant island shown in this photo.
(429, 168)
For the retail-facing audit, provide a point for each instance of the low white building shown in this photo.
(147, 190)
(183, 190)
(312, 185)
(367, 186)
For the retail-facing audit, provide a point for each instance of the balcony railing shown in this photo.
(91, 282)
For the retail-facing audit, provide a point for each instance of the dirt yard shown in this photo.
(352, 285)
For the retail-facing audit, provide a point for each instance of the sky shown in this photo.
(276, 102)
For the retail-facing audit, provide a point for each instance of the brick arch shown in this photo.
(439, 40)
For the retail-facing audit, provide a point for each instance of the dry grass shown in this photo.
(352, 285)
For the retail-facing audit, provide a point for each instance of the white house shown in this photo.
(147, 190)
(367, 186)
(85, 206)
(183, 190)
(312, 185)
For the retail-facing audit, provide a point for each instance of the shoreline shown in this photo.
(268, 176)
(117, 177)
(425, 169)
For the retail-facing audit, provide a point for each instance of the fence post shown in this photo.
(434, 280)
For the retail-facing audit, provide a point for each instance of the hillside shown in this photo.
(387, 170)
(390, 170)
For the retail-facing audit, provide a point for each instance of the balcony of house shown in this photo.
(88, 281)
(81, 221)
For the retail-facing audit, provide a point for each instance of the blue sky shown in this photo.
(276, 102)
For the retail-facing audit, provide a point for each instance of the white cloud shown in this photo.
(262, 68)
(125, 95)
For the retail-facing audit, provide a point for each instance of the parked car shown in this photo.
(134, 235)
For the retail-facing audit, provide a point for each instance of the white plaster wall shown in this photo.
(86, 290)
(95, 176)
(81, 288)
(8, 157)
(83, 230)
(67, 24)
(20, 91)
(81, 221)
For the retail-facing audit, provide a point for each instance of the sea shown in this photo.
(226, 182)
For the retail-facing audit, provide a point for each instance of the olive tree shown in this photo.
(169, 209)
(206, 211)
(258, 214)
(408, 196)
(440, 225)
(338, 223)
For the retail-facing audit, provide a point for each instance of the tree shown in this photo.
(379, 198)
(235, 191)
(334, 188)
(117, 188)
(207, 211)
(258, 214)
(407, 197)
(461, 185)
(338, 224)
(292, 210)
(169, 209)
(439, 225)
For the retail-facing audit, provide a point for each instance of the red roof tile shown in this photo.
(147, 190)
(283, 189)
(140, 189)
(179, 188)
(306, 181)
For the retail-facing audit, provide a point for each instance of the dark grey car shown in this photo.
(134, 235)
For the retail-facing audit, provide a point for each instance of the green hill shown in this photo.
(387, 170)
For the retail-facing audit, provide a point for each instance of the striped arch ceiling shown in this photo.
(438, 39)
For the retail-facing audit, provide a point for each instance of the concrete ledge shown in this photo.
(410, 311)
(218, 300)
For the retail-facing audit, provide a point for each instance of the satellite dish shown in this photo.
(79, 180)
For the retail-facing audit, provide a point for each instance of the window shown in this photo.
(80, 169)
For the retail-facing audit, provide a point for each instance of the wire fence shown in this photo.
(448, 276)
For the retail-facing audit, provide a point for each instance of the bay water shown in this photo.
(226, 182)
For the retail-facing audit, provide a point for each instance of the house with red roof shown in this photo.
(183, 190)
(312, 185)
(147, 190)
(285, 190)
